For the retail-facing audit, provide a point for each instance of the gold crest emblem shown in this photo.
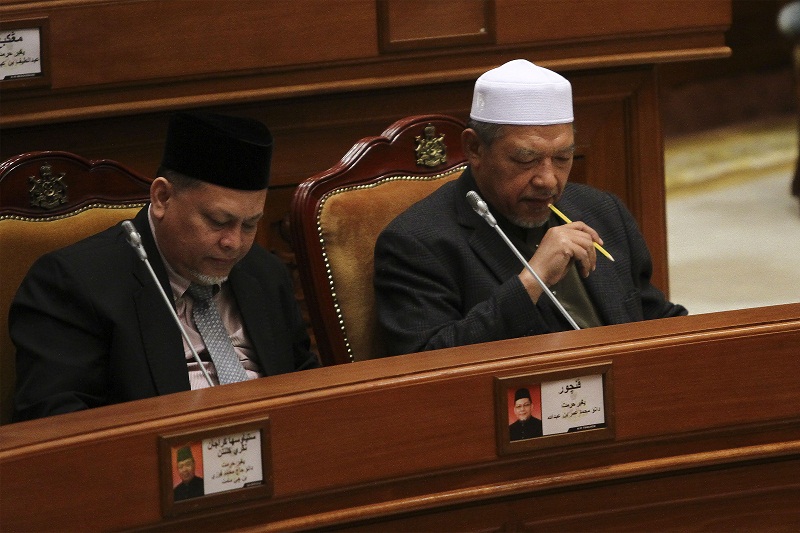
(47, 190)
(430, 149)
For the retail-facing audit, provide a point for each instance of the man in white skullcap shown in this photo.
(444, 277)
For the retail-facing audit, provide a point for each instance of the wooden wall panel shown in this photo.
(421, 25)
(113, 43)
(565, 20)
(139, 56)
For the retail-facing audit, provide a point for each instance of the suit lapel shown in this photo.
(484, 240)
(161, 338)
(252, 301)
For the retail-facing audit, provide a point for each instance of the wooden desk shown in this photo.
(706, 437)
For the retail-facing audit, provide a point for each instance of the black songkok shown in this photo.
(233, 152)
(184, 453)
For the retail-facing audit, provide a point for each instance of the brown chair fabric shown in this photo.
(336, 217)
(89, 197)
(351, 220)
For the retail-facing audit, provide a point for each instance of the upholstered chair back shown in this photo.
(47, 201)
(337, 215)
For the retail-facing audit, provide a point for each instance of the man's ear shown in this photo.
(161, 191)
(472, 146)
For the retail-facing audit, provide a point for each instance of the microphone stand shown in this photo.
(482, 209)
(135, 240)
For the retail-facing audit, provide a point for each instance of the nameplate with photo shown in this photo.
(215, 466)
(554, 408)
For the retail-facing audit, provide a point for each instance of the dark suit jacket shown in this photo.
(530, 428)
(444, 277)
(91, 327)
(194, 489)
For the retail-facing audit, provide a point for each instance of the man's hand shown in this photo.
(560, 247)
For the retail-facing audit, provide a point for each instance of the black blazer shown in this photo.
(91, 327)
(444, 277)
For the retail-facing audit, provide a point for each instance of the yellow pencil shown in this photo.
(563, 217)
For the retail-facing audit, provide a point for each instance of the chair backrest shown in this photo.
(337, 215)
(47, 201)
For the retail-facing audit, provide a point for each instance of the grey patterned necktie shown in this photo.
(218, 343)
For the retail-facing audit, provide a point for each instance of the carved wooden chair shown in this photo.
(336, 216)
(49, 200)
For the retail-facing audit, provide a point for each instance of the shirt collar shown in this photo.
(177, 283)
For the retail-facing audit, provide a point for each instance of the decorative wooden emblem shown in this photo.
(430, 149)
(47, 190)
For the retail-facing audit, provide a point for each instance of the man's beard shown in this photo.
(528, 223)
(204, 279)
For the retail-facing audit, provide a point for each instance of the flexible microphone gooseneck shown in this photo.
(135, 240)
(482, 209)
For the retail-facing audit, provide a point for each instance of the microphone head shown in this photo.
(474, 200)
(134, 239)
(480, 207)
(133, 236)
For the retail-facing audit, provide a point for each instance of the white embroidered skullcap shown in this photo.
(522, 93)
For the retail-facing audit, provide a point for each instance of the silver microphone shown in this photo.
(135, 240)
(482, 209)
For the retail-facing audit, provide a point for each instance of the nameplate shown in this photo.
(24, 53)
(554, 408)
(215, 466)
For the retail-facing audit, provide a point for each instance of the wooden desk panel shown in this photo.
(705, 409)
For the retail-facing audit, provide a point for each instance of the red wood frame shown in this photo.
(88, 182)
